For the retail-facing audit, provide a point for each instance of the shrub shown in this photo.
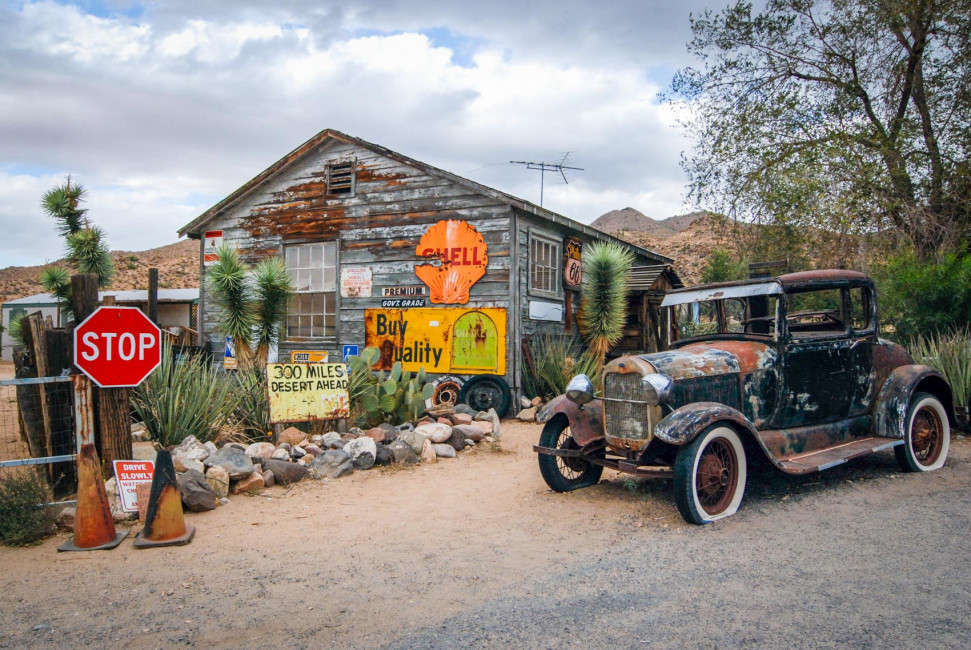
(23, 520)
(603, 296)
(185, 397)
(949, 353)
(252, 412)
(923, 299)
(722, 267)
(555, 360)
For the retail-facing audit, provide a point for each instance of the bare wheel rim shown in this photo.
(717, 476)
(926, 436)
(571, 468)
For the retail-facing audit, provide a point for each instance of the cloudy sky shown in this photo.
(162, 108)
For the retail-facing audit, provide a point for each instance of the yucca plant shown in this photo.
(949, 353)
(183, 397)
(273, 290)
(603, 297)
(555, 359)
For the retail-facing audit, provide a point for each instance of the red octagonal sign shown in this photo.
(117, 346)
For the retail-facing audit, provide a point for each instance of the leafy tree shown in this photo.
(251, 302)
(721, 267)
(86, 247)
(846, 114)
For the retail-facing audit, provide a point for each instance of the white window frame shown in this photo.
(552, 261)
(312, 268)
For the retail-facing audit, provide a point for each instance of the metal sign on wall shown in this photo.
(466, 341)
(212, 239)
(356, 282)
(462, 257)
(573, 265)
(301, 392)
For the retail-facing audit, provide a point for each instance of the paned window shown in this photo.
(544, 265)
(313, 309)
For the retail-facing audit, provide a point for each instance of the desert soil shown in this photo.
(477, 552)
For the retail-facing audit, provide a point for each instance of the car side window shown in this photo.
(860, 319)
(815, 314)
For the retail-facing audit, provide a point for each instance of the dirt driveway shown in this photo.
(476, 552)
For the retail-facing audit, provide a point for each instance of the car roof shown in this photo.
(788, 281)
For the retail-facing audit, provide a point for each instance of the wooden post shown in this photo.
(153, 295)
(113, 427)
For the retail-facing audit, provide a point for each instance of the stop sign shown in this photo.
(117, 346)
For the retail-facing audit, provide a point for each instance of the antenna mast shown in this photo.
(543, 167)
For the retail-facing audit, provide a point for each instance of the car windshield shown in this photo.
(733, 317)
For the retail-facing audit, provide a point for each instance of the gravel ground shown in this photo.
(476, 552)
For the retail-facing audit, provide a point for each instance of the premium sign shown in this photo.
(574, 263)
(461, 255)
(356, 282)
(467, 341)
(304, 392)
(129, 474)
(405, 292)
(213, 240)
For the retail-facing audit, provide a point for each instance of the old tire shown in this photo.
(564, 474)
(928, 435)
(484, 392)
(709, 475)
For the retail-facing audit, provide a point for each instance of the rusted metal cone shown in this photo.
(94, 529)
(164, 522)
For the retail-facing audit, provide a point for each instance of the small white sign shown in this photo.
(212, 240)
(539, 310)
(356, 282)
(128, 475)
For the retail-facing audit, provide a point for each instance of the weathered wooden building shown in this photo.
(384, 250)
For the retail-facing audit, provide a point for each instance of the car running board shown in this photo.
(817, 461)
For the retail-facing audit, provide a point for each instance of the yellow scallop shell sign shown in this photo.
(461, 257)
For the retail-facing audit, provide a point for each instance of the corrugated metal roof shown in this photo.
(642, 278)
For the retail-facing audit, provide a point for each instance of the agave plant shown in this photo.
(950, 353)
(183, 397)
(552, 361)
(603, 297)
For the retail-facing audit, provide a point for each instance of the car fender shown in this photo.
(586, 422)
(893, 402)
(684, 424)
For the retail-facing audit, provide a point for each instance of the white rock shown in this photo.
(218, 480)
(444, 451)
(436, 431)
(260, 450)
(358, 446)
(280, 454)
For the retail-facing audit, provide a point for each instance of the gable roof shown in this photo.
(195, 227)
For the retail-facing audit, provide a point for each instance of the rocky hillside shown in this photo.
(631, 220)
(177, 264)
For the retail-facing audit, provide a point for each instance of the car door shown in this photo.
(819, 384)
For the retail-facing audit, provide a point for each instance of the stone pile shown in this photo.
(530, 407)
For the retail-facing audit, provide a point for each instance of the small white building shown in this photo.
(178, 311)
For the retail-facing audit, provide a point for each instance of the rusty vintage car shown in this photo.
(790, 369)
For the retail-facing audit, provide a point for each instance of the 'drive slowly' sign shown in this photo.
(129, 474)
(300, 392)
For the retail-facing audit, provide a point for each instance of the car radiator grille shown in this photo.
(626, 414)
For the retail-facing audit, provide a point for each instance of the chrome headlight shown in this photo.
(656, 387)
(580, 390)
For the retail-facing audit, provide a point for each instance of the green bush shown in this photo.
(23, 520)
(555, 360)
(722, 267)
(922, 299)
(950, 353)
(253, 402)
(185, 397)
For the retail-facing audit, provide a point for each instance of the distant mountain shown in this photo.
(631, 220)
(177, 264)
(682, 222)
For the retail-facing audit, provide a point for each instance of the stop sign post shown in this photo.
(117, 347)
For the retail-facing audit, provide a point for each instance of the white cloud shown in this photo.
(163, 115)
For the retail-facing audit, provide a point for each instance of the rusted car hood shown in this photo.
(714, 358)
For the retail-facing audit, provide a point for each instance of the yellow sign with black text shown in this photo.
(301, 392)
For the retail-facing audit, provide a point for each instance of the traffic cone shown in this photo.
(164, 523)
(94, 529)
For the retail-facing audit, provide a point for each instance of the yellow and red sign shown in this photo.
(301, 392)
(462, 257)
(572, 268)
(465, 341)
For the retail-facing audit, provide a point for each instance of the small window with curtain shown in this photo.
(312, 312)
(544, 265)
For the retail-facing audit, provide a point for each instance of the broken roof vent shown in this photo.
(340, 178)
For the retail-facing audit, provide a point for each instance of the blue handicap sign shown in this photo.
(349, 351)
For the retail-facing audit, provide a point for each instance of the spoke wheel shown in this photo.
(928, 435)
(565, 473)
(709, 475)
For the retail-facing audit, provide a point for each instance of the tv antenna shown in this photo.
(544, 167)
